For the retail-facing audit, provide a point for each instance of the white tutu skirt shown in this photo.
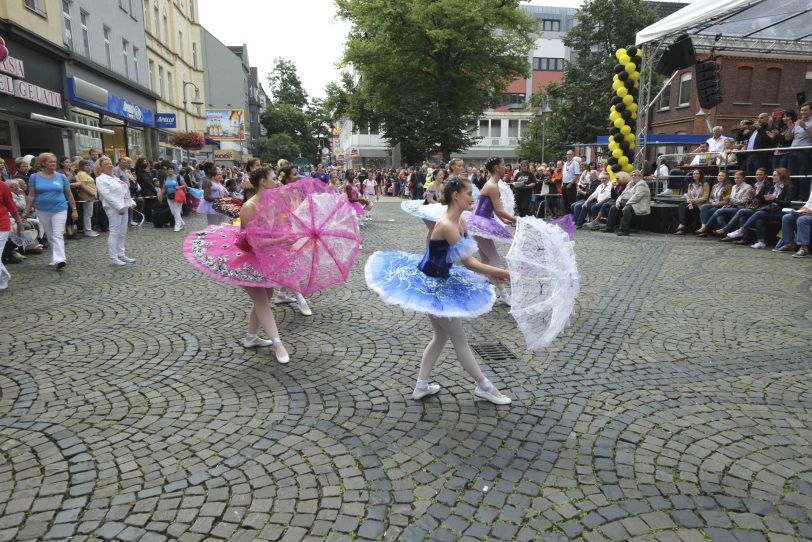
(415, 207)
(394, 276)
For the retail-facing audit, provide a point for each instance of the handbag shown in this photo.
(180, 195)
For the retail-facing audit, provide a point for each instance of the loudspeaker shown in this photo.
(679, 55)
(708, 85)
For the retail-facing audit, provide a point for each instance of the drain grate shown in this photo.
(493, 351)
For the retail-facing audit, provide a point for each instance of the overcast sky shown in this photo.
(304, 31)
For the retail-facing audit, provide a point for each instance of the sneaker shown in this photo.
(666, 192)
(117, 263)
(784, 248)
(133, 223)
(177, 228)
(494, 396)
(503, 293)
(303, 307)
(60, 265)
(802, 253)
(758, 245)
(735, 234)
(126, 259)
(431, 389)
(92, 233)
(256, 341)
(283, 297)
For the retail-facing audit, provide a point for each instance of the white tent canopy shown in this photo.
(755, 26)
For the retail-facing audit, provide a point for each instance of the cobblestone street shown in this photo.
(676, 407)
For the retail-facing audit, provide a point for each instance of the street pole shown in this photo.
(185, 112)
(543, 135)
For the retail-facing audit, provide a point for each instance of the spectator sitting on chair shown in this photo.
(637, 204)
(761, 188)
(584, 190)
(740, 194)
(795, 231)
(727, 158)
(618, 193)
(775, 200)
(595, 201)
(689, 209)
(719, 197)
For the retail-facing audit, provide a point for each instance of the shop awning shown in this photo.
(69, 123)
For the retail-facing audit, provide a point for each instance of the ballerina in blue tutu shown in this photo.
(432, 284)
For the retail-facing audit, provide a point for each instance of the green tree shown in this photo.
(580, 103)
(286, 87)
(276, 146)
(428, 68)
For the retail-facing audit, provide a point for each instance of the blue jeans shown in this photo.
(795, 229)
(721, 215)
(575, 207)
(758, 221)
(705, 213)
(593, 208)
(800, 163)
(738, 219)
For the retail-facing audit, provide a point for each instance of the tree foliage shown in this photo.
(276, 146)
(580, 103)
(428, 68)
(293, 115)
(286, 87)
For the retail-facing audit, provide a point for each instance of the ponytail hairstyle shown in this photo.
(284, 174)
(452, 186)
(258, 174)
(492, 162)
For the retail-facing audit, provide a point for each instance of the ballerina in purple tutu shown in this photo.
(222, 253)
(484, 227)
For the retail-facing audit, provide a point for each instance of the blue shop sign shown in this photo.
(116, 105)
(166, 120)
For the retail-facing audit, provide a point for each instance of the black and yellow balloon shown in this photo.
(623, 110)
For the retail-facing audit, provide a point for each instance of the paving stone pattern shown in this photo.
(675, 408)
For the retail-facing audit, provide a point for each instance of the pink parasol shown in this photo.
(305, 236)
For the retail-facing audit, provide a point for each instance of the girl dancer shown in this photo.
(432, 285)
(213, 190)
(221, 252)
(484, 228)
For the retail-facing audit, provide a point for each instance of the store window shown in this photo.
(136, 143)
(114, 145)
(84, 140)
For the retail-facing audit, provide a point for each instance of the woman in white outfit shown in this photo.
(172, 183)
(116, 200)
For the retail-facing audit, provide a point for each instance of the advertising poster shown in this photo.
(225, 124)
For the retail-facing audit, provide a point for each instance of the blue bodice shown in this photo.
(439, 255)
(484, 206)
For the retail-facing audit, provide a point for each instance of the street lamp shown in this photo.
(196, 101)
(544, 110)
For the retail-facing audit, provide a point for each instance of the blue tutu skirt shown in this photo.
(394, 276)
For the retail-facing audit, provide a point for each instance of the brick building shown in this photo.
(750, 85)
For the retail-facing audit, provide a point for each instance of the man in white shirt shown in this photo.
(702, 155)
(716, 142)
(601, 194)
(569, 178)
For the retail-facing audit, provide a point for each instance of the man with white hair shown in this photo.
(716, 141)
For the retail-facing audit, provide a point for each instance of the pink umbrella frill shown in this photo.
(305, 236)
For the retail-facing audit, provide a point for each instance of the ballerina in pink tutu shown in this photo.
(222, 253)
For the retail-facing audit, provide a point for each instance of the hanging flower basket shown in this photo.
(188, 140)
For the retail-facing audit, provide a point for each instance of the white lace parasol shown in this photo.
(544, 280)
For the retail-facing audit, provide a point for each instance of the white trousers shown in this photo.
(54, 226)
(5, 276)
(118, 233)
(176, 209)
(87, 215)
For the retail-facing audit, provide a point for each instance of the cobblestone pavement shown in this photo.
(677, 406)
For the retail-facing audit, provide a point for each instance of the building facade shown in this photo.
(106, 77)
(31, 81)
(175, 69)
(226, 76)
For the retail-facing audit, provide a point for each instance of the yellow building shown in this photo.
(175, 67)
(42, 17)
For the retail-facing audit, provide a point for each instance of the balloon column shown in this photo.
(623, 110)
